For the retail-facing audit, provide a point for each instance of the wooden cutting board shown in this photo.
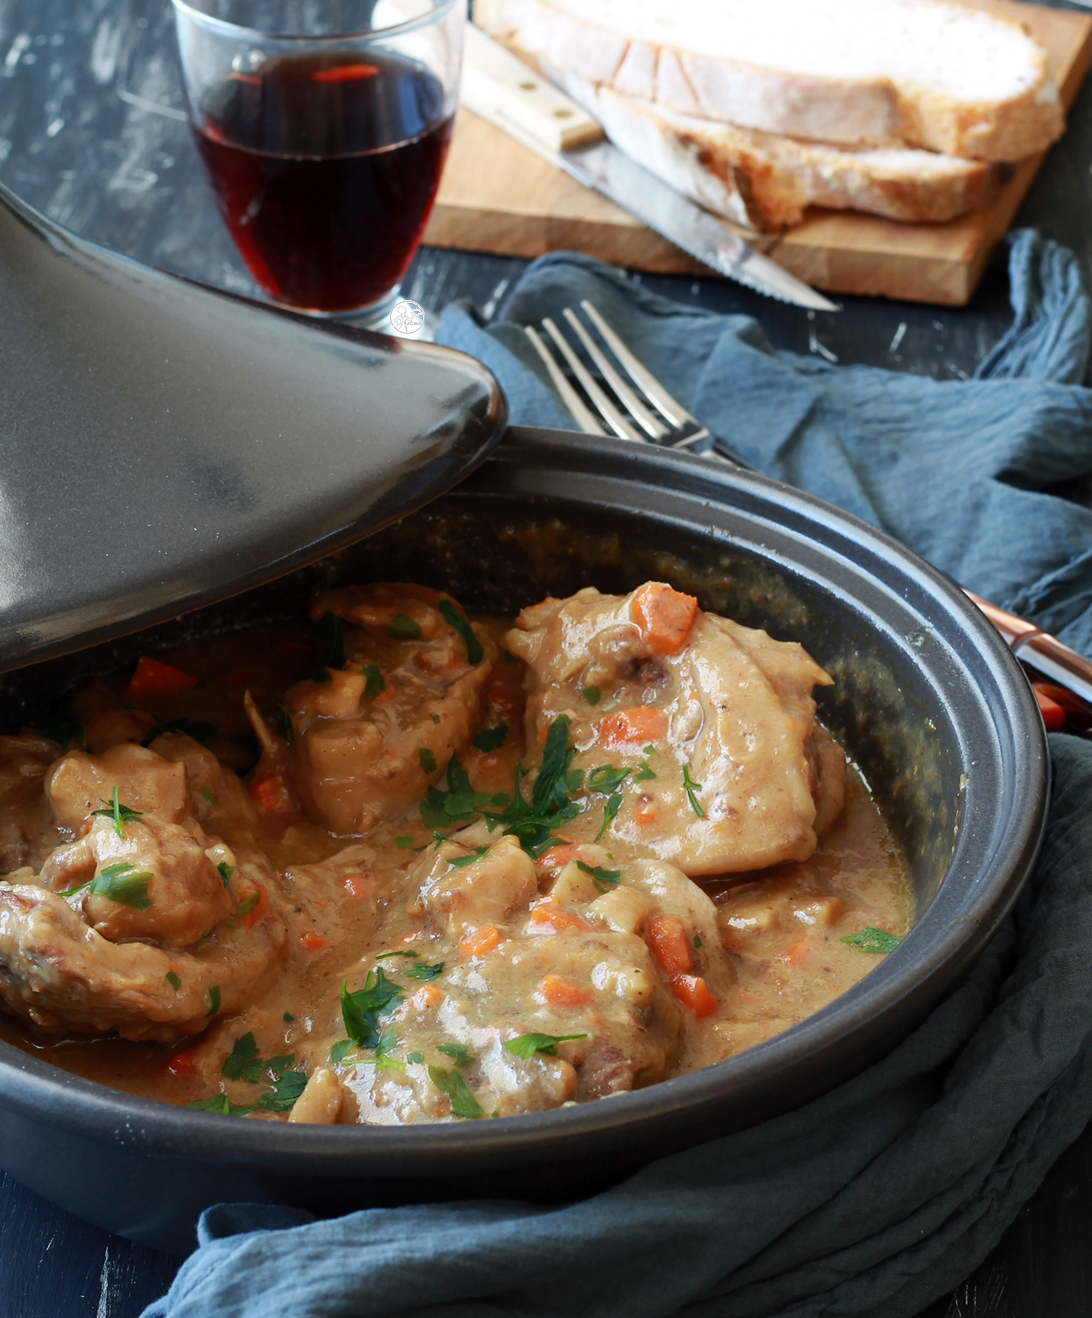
(497, 196)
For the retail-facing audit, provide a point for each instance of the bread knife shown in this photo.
(508, 94)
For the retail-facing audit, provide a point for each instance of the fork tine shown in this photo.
(643, 378)
(602, 403)
(650, 424)
(572, 400)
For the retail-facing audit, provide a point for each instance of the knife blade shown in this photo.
(503, 90)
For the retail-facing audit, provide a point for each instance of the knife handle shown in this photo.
(505, 91)
(1055, 660)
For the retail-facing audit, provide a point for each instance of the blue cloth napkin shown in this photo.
(885, 1193)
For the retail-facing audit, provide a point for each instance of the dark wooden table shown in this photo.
(92, 132)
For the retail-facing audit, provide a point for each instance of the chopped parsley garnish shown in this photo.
(403, 628)
(531, 822)
(71, 892)
(460, 862)
(403, 843)
(285, 1090)
(384, 955)
(415, 1058)
(284, 722)
(209, 795)
(243, 1062)
(173, 980)
(697, 940)
(385, 1047)
(491, 739)
(327, 631)
(457, 1052)
(360, 1010)
(451, 1083)
(650, 750)
(423, 972)
(614, 804)
(288, 1017)
(643, 774)
(120, 814)
(692, 788)
(375, 682)
(225, 871)
(121, 883)
(452, 616)
(426, 760)
(528, 1044)
(198, 731)
(340, 1050)
(602, 878)
(249, 903)
(606, 779)
(222, 1106)
(460, 801)
(591, 695)
(877, 941)
(214, 1001)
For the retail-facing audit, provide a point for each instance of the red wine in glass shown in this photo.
(325, 169)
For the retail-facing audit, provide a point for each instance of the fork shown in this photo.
(667, 423)
(662, 418)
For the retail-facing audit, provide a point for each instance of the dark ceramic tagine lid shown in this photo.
(165, 446)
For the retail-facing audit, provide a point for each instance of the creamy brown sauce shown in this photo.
(603, 939)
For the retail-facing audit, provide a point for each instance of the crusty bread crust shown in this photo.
(850, 111)
(767, 181)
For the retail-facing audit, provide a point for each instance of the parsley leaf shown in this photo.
(214, 1001)
(451, 1083)
(531, 822)
(340, 1050)
(602, 878)
(121, 883)
(71, 892)
(692, 788)
(384, 955)
(285, 1091)
(435, 718)
(403, 843)
(870, 939)
(460, 862)
(284, 722)
(591, 695)
(643, 774)
(327, 631)
(452, 616)
(288, 1017)
(614, 804)
(173, 980)
(424, 972)
(697, 940)
(120, 814)
(460, 801)
(528, 1044)
(375, 683)
(415, 1058)
(426, 760)
(218, 1103)
(491, 739)
(225, 871)
(360, 1010)
(457, 1052)
(243, 1062)
(249, 902)
(606, 779)
(403, 628)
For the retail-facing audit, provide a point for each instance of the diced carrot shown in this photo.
(181, 1064)
(252, 911)
(549, 913)
(798, 953)
(346, 73)
(271, 795)
(561, 992)
(152, 678)
(669, 945)
(426, 997)
(1053, 714)
(664, 616)
(693, 990)
(312, 942)
(642, 724)
(556, 856)
(358, 885)
(645, 814)
(479, 941)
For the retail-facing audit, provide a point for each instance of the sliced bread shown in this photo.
(766, 181)
(924, 73)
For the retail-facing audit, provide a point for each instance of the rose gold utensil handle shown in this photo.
(1056, 661)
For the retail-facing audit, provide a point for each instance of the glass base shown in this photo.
(382, 317)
